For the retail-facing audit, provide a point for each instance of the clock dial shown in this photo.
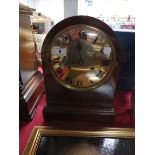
(82, 57)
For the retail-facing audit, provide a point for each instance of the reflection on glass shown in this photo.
(82, 56)
(109, 146)
(85, 146)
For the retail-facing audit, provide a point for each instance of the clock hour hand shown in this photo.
(78, 47)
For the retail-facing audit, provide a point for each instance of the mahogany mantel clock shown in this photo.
(81, 59)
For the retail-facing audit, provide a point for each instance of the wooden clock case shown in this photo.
(88, 105)
(31, 86)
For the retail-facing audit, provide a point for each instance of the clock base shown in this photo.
(63, 113)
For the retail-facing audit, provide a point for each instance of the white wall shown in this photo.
(23, 1)
(70, 8)
(107, 8)
(52, 8)
(55, 8)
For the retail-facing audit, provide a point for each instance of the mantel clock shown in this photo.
(81, 60)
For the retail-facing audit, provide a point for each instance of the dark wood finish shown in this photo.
(30, 95)
(70, 113)
(90, 105)
(31, 84)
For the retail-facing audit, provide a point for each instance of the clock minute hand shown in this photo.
(78, 47)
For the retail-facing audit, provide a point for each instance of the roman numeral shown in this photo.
(92, 68)
(83, 35)
(100, 74)
(95, 40)
(92, 82)
(59, 71)
(56, 60)
(68, 80)
(79, 83)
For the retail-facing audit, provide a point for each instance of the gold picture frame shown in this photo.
(39, 131)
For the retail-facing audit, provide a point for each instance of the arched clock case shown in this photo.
(81, 61)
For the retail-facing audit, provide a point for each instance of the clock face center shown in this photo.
(82, 57)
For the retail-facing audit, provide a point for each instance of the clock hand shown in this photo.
(95, 40)
(78, 47)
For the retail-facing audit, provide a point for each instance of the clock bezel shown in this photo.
(87, 21)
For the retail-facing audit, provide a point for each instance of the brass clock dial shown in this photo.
(82, 57)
